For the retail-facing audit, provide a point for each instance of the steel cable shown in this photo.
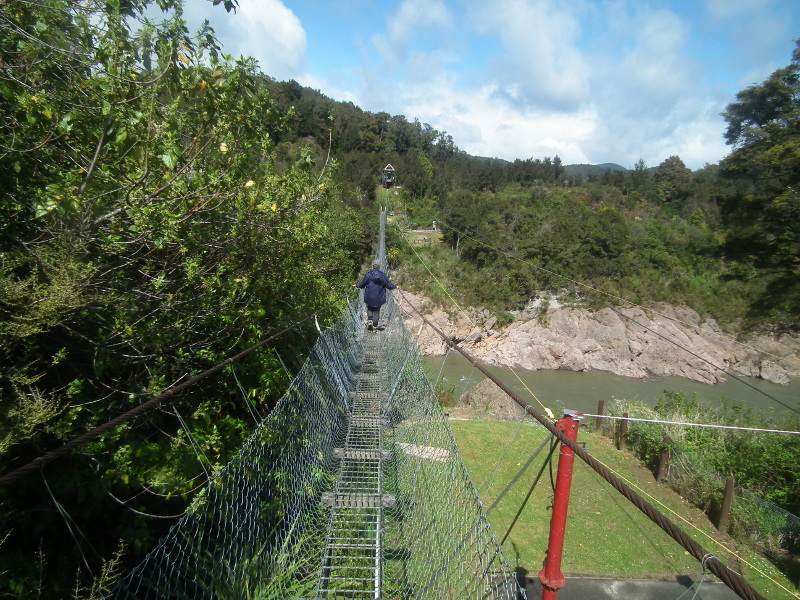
(45, 459)
(732, 579)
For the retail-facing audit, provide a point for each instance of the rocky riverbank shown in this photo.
(662, 341)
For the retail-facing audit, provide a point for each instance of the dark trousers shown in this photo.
(373, 312)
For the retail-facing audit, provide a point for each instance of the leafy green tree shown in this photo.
(764, 132)
(639, 181)
(673, 180)
(417, 173)
(149, 229)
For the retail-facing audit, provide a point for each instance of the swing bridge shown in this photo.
(354, 488)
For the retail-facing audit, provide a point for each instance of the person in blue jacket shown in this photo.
(375, 284)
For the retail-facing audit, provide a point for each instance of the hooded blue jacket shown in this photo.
(375, 284)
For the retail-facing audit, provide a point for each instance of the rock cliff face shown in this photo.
(633, 342)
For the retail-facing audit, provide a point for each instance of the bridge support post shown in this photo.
(551, 576)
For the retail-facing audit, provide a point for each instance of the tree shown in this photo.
(673, 180)
(149, 229)
(417, 173)
(558, 169)
(639, 180)
(764, 131)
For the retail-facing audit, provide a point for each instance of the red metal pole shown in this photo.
(551, 577)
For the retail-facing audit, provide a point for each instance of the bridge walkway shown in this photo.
(352, 558)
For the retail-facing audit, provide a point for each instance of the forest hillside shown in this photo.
(723, 240)
(164, 206)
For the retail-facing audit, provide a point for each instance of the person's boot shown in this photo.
(369, 325)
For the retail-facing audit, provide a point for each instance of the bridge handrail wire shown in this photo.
(732, 579)
(380, 252)
(43, 460)
(259, 527)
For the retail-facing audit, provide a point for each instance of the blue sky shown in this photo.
(592, 81)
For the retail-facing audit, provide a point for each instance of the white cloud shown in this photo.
(529, 135)
(542, 64)
(691, 129)
(415, 23)
(641, 98)
(484, 125)
(653, 72)
(330, 88)
(414, 17)
(412, 52)
(650, 98)
(699, 143)
(270, 32)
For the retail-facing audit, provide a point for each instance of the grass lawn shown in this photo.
(606, 535)
(423, 237)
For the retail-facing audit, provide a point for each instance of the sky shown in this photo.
(591, 81)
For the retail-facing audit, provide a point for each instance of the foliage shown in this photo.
(150, 227)
(766, 501)
(504, 318)
(766, 525)
(446, 393)
(761, 462)
(763, 128)
(549, 238)
(673, 180)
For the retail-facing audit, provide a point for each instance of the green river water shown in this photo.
(581, 391)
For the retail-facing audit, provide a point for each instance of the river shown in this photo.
(581, 391)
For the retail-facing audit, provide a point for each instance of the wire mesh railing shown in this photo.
(262, 527)
(754, 520)
(380, 254)
(763, 524)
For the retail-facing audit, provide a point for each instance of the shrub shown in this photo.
(764, 463)
(446, 393)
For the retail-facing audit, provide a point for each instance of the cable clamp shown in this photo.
(705, 560)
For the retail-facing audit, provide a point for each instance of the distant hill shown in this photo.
(584, 171)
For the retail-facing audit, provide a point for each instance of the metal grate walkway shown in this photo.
(351, 561)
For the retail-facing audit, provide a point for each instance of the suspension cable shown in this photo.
(699, 531)
(198, 451)
(518, 475)
(38, 463)
(732, 579)
(683, 424)
(632, 320)
(513, 371)
(486, 487)
(490, 478)
(548, 461)
(70, 522)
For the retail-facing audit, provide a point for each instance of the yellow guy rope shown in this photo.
(697, 529)
(453, 300)
(608, 294)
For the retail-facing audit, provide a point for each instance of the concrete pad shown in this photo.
(580, 588)
(426, 452)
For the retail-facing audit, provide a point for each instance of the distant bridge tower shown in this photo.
(389, 177)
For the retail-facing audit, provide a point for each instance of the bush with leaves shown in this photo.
(148, 230)
(762, 462)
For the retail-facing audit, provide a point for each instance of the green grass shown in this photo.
(606, 535)
(423, 238)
